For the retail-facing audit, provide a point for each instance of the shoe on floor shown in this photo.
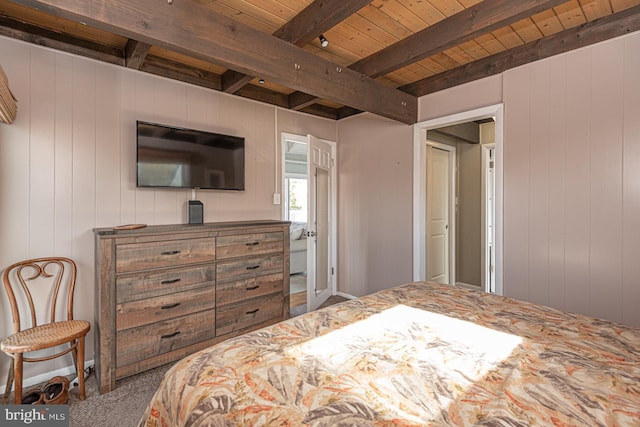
(56, 391)
(35, 396)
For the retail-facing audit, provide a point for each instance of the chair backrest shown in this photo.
(42, 278)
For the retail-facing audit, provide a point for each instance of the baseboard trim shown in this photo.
(344, 295)
(41, 378)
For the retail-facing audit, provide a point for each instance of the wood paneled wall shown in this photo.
(572, 181)
(67, 164)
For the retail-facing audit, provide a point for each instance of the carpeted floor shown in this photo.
(124, 406)
(301, 309)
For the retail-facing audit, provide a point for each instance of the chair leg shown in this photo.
(7, 389)
(74, 354)
(80, 367)
(17, 370)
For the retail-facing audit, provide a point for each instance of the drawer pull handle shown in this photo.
(252, 243)
(170, 253)
(253, 287)
(168, 306)
(253, 311)
(168, 282)
(253, 267)
(170, 335)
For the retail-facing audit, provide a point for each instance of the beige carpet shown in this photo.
(301, 309)
(121, 407)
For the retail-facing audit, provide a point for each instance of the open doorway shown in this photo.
(458, 199)
(459, 209)
(295, 210)
(309, 183)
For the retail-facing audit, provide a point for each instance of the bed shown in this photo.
(417, 354)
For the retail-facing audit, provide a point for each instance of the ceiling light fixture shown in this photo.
(261, 81)
(323, 41)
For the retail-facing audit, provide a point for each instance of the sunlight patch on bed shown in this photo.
(406, 329)
(404, 348)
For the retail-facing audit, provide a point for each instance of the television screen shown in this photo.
(187, 158)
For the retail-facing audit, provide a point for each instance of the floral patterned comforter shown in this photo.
(414, 355)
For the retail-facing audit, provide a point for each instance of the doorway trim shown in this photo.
(484, 197)
(420, 131)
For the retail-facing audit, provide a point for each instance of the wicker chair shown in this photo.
(47, 278)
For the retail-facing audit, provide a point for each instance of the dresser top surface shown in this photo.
(211, 226)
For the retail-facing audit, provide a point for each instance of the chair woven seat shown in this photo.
(45, 336)
(37, 283)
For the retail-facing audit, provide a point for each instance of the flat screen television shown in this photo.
(173, 157)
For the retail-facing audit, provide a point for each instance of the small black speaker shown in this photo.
(196, 212)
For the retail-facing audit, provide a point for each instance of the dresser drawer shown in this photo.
(151, 310)
(243, 314)
(144, 342)
(143, 256)
(249, 267)
(139, 286)
(240, 290)
(248, 244)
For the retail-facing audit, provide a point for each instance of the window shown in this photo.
(296, 198)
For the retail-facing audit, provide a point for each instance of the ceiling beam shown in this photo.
(30, 33)
(177, 71)
(466, 25)
(345, 112)
(135, 53)
(312, 21)
(232, 81)
(300, 100)
(614, 25)
(318, 17)
(191, 28)
(153, 65)
(264, 95)
(181, 72)
(322, 111)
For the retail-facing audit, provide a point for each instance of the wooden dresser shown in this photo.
(166, 291)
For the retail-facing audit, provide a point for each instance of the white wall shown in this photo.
(67, 164)
(374, 212)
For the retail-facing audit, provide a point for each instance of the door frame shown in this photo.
(452, 152)
(420, 135)
(485, 277)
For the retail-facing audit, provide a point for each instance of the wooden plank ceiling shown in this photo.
(382, 54)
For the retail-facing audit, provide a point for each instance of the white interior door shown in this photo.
(437, 226)
(321, 221)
